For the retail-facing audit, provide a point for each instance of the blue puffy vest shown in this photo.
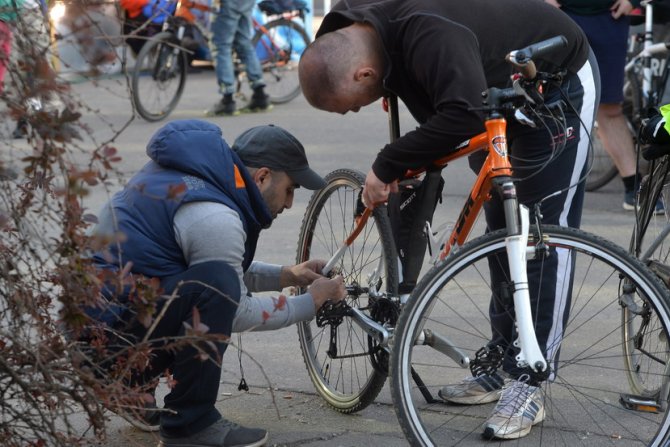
(190, 162)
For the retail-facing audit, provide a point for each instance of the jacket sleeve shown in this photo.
(199, 229)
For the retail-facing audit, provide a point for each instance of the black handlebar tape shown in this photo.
(525, 55)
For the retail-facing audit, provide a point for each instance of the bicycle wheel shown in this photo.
(650, 244)
(347, 367)
(158, 77)
(584, 401)
(279, 45)
(603, 169)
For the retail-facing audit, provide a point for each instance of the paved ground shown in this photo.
(282, 398)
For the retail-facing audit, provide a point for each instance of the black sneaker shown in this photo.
(224, 107)
(222, 433)
(260, 101)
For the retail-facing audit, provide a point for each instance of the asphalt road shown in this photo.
(282, 398)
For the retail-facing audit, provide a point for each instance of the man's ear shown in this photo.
(262, 176)
(365, 73)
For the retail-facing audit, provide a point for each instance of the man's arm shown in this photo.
(199, 230)
(263, 277)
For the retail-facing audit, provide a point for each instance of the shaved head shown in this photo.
(324, 66)
(342, 70)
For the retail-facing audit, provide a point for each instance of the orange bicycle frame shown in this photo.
(494, 141)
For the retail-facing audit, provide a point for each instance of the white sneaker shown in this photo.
(520, 407)
(474, 390)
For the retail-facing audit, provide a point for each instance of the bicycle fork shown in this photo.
(516, 244)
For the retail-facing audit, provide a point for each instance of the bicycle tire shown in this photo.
(603, 169)
(649, 243)
(158, 77)
(279, 47)
(352, 381)
(582, 402)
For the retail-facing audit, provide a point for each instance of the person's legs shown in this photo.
(213, 289)
(245, 48)
(545, 165)
(609, 40)
(247, 53)
(223, 34)
(616, 137)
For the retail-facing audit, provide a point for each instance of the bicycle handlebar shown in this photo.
(527, 87)
(523, 58)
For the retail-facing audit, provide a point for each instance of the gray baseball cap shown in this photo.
(272, 147)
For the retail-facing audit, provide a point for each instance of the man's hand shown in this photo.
(324, 289)
(376, 191)
(301, 275)
(621, 8)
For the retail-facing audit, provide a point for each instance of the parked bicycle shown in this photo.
(649, 242)
(427, 339)
(646, 80)
(160, 70)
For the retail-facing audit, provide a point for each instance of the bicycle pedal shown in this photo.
(639, 403)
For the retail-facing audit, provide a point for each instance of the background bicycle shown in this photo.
(161, 66)
(446, 322)
(648, 31)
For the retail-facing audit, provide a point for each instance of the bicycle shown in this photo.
(432, 340)
(646, 80)
(648, 238)
(159, 75)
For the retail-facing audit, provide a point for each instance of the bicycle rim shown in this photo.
(350, 379)
(582, 402)
(158, 77)
(279, 47)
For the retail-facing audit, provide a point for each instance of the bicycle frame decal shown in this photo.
(500, 145)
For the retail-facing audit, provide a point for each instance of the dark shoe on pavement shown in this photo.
(222, 433)
(21, 130)
(630, 203)
(260, 101)
(224, 107)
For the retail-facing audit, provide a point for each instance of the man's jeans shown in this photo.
(233, 25)
(214, 289)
